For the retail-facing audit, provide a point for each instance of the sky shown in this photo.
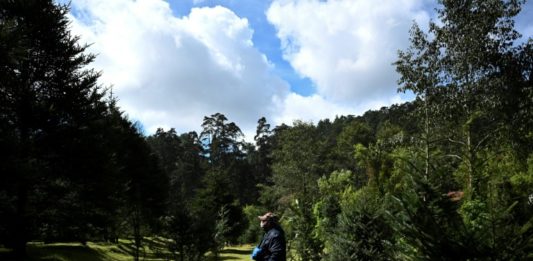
(170, 63)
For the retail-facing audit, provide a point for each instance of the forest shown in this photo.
(447, 176)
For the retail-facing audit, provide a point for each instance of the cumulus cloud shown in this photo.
(315, 107)
(171, 72)
(346, 47)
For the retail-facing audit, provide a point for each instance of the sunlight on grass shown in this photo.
(154, 249)
(236, 253)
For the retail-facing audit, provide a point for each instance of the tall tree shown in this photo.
(475, 36)
(419, 70)
(180, 158)
(461, 75)
(228, 180)
(221, 138)
(75, 163)
(47, 96)
(296, 170)
(263, 159)
(145, 185)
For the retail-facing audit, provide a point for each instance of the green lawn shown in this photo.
(112, 252)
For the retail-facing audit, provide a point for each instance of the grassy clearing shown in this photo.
(123, 251)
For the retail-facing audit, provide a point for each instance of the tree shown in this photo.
(515, 99)
(419, 70)
(263, 157)
(461, 75)
(47, 96)
(353, 133)
(76, 164)
(145, 185)
(296, 160)
(221, 228)
(295, 171)
(221, 139)
(328, 206)
(180, 158)
(228, 181)
(362, 231)
(167, 146)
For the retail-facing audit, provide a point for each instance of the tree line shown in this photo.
(448, 175)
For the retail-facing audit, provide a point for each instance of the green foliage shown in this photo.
(461, 75)
(222, 140)
(328, 207)
(428, 223)
(228, 182)
(377, 161)
(261, 159)
(77, 169)
(299, 226)
(253, 233)
(295, 167)
(179, 158)
(522, 181)
(52, 113)
(475, 215)
(221, 228)
(362, 232)
(351, 221)
(354, 133)
(295, 171)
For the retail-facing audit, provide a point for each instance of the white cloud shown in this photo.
(314, 108)
(346, 47)
(171, 72)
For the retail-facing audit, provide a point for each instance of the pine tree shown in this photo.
(47, 98)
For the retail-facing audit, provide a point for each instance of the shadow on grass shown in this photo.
(212, 258)
(6, 254)
(55, 253)
(106, 251)
(236, 251)
(152, 248)
(155, 242)
(127, 248)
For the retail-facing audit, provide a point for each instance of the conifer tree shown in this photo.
(48, 97)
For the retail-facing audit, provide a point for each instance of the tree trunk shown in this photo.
(136, 234)
(426, 127)
(20, 232)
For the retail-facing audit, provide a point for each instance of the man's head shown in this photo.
(268, 220)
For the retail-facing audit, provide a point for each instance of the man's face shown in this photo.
(264, 224)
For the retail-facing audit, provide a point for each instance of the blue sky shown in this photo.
(264, 36)
(173, 62)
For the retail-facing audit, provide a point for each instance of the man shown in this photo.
(272, 246)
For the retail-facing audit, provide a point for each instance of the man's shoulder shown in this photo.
(276, 232)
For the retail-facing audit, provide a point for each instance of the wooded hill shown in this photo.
(448, 176)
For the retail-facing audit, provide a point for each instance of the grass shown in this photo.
(236, 253)
(122, 251)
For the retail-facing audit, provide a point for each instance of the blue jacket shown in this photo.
(273, 245)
